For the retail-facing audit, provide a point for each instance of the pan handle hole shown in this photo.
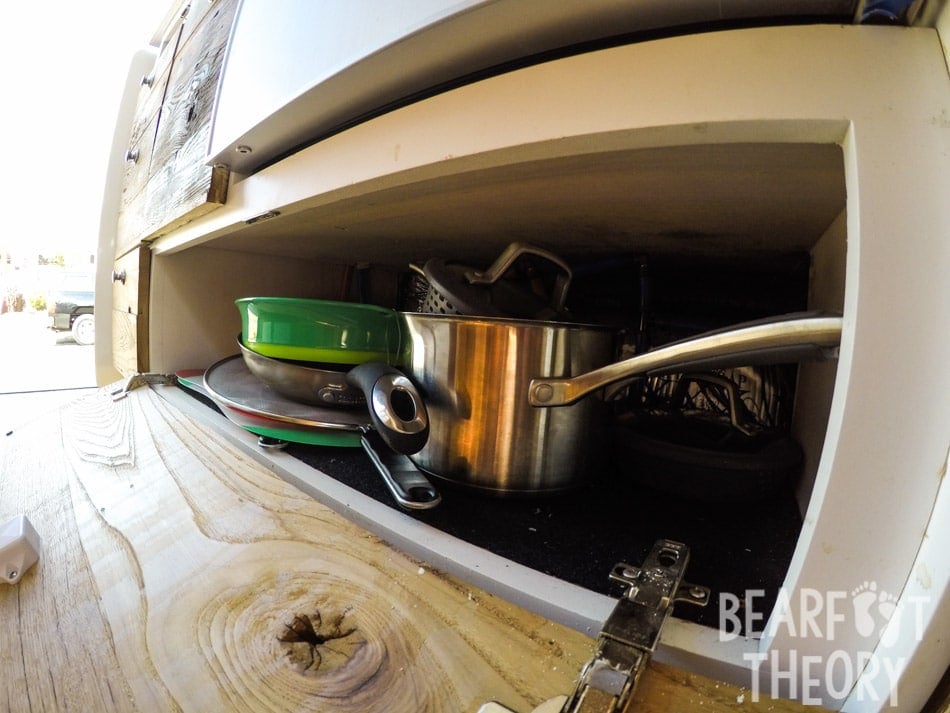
(422, 494)
(403, 404)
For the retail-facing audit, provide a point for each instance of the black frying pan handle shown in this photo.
(395, 406)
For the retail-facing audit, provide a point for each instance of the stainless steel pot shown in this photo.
(505, 398)
(474, 373)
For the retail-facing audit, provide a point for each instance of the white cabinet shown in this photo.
(298, 71)
(827, 140)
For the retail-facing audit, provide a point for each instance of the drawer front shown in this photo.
(151, 93)
(167, 181)
(130, 287)
(181, 185)
(132, 222)
(195, 16)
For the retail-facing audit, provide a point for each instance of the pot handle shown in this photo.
(395, 406)
(791, 338)
(508, 258)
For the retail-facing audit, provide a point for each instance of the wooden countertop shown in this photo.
(177, 574)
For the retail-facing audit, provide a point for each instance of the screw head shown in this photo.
(543, 393)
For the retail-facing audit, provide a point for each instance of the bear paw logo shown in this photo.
(873, 609)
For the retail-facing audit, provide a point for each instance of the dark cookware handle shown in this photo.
(406, 483)
(396, 409)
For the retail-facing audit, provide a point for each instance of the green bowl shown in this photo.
(323, 331)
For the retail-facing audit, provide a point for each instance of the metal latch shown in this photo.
(632, 631)
(136, 380)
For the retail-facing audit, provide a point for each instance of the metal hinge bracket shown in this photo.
(123, 388)
(632, 631)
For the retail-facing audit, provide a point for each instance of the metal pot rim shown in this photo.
(507, 322)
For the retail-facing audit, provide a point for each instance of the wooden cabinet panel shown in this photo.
(152, 87)
(167, 181)
(195, 14)
(181, 186)
(132, 223)
(130, 288)
(131, 219)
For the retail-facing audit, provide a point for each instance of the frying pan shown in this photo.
(272, 433)
(253, 405)
(303, 382)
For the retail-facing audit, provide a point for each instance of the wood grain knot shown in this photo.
(313, 644)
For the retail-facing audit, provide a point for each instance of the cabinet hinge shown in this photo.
(122, 389)
(632, 631)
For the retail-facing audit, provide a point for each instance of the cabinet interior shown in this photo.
(728, 232)
(721, 200)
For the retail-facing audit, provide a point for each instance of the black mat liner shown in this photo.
(579, 536)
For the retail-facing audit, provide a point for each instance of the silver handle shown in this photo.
(118, 276)
(507, 259)
(132, 155)
(789, 339)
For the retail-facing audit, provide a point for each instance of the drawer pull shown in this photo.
(132, 155)
(147, 80)
(118, 276)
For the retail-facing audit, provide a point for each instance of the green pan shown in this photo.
(323, 331)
